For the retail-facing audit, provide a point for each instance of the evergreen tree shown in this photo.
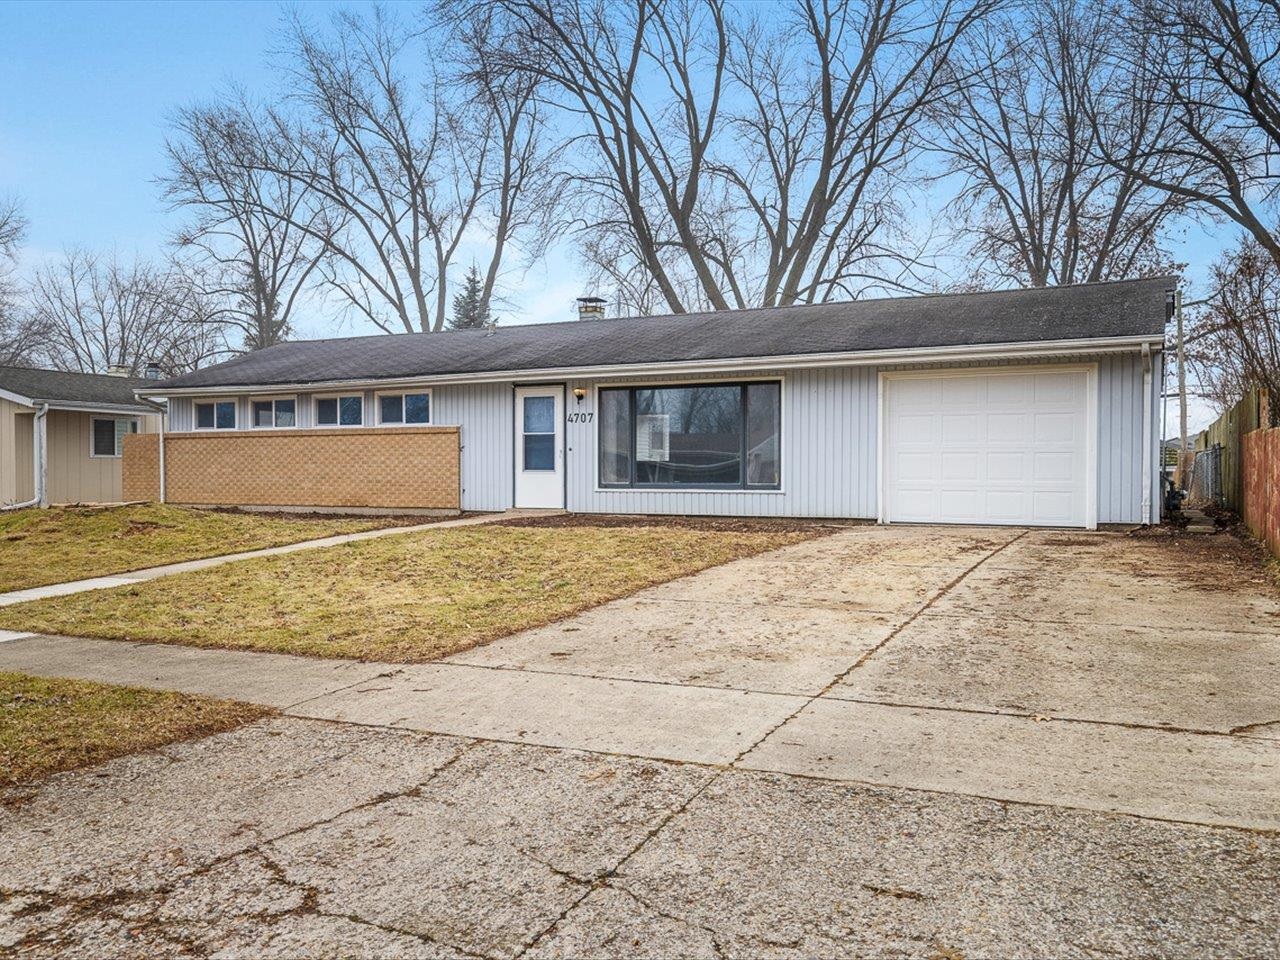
(468, 311)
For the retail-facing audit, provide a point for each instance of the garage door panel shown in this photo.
(1055, 467)
(988, 448)
(1007, 427)
(1054, 427)
(1009, 390)
(1057, 387)
(1006, 466)
(961, 428)
(960, 467)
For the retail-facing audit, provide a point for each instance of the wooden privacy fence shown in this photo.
(1261, 469)
(1228, 432)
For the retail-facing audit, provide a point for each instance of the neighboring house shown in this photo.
(1014, 407)
(61, 434)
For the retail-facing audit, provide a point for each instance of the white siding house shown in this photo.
(1023, 407)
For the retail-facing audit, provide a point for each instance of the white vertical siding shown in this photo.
(484, 412)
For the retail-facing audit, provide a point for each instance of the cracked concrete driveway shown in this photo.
(890, 741)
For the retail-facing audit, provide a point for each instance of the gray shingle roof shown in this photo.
(1119, 309)
(54, 386)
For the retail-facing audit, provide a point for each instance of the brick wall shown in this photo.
(140, 467)
(384, 467)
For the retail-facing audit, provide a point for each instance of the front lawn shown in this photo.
(51, 725)
(407, 598)
(39, 547)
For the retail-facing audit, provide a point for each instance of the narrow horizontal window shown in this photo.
(711, 436)
(216, 416)
(107, 435)
(275, 413)
(344, 411)
(398, 408)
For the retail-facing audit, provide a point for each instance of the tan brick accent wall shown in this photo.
(381, 467)
(141, 467)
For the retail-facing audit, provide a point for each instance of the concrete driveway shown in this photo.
(906, 741)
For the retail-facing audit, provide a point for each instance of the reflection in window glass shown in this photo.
(225, 415)
(539, 451)
(417, 408)
(764, 433)
(286, 413)
(689, 435)
(707, 435)
(391, 409)
(350, 411)
(262, 415)
(615, 436)
(539, 414)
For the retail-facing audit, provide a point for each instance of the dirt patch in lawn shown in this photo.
(49, 725)
(409, 598)
(715, 524)
(39, 547)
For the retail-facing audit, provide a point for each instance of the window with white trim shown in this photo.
(397, 409)
(713, 436)
(344, 410)
(274, 412)
(216, 415)
(107, 435)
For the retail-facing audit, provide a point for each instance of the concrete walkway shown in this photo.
(1026, 666)
(152, 573)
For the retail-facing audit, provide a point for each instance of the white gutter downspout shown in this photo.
(164, 419)
(1146, 434)
(38, 456)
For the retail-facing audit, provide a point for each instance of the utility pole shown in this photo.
(1182, 391)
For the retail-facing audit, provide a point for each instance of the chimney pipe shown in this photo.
(153, 371)
(591, 308)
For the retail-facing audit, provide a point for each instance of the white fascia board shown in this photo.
(79, 407)
(17, 398)
(933, 355)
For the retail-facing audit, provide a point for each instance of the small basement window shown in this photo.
(108, 435)
(280, 412)
(400, 408)
(219, 415)
(340, 411)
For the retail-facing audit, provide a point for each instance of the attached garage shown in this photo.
(1005, 407)
(995, 446)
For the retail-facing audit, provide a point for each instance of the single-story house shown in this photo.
(1033, 406)
(62, 434)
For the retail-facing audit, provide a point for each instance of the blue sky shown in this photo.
(88, 89)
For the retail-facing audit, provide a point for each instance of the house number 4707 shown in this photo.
(581, 417)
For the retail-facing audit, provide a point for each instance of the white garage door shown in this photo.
(988, 448)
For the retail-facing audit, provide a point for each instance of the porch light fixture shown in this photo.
(580, 393)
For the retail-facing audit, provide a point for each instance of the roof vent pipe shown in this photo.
(591, 308)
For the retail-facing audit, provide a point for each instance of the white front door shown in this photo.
(1009, 446)
(539, 447)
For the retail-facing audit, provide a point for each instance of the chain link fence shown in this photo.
(1205, 486)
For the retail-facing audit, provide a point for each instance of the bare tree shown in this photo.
(734, 160)
(99, 314)
(1025, 128)
(19, 333)
(254, 236)
(1213, 68)
(1234, 344)
(403, 171)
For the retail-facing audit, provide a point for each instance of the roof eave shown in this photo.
(1017, 350)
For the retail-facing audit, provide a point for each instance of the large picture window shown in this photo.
(715, 436)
